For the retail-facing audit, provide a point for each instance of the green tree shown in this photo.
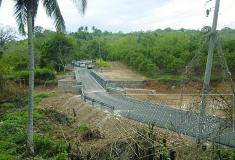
(231, 60)
(6, 34)
(168, 50)
(25, 13)
(58, 51)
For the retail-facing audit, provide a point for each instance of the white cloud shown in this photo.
(132, 15)
(6, 12)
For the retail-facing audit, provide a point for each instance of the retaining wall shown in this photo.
(116, 84)
(65, 85)
(127, 84)
(115, 90)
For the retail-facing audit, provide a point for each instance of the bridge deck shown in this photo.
(181, 121)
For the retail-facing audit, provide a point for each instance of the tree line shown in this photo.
(153, 53)
(159, 52)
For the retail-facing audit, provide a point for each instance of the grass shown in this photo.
(39, 96)
(13, 137)
(178, 78)
(7, 105)
(175, 78)
(166, 78)
(83, 127)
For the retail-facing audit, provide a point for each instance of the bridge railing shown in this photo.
(93, 101)
(99, 78)
(77, 77)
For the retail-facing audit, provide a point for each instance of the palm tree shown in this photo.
(25, 14)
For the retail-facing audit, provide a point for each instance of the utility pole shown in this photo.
(207, 76)
(99, 50)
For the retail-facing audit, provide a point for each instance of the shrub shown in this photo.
(170, 78)
(83, 127)
(47, 147)
(11, 91)
(44, 74)
(40, 74)
(227, 153)
(102, 64)
(22, 75)
(13, 137)
(151, 70)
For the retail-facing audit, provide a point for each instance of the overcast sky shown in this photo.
(132, 15)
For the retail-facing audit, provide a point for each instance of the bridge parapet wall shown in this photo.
(77, 77)
(99, 78)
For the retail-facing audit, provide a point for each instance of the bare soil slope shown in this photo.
(109, 128)
(120, 72)
(112, 131)
(183, 95)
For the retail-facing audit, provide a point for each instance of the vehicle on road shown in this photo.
(83, 65)
(90, 66)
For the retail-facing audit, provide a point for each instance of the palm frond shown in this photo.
(21, 15)
(81, 5)
(53, 10)
(35, 9)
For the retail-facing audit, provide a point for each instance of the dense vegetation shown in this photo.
(13, 135)
(160, 54)
(156, 53)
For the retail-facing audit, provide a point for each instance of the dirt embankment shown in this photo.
(115, 136)
(188, 87)
(109, 128)
(119, 72)
(180, 94)
(187, 96)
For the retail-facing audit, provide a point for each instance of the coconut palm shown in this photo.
(25, 14)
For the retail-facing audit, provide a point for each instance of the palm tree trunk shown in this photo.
(31, 83)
